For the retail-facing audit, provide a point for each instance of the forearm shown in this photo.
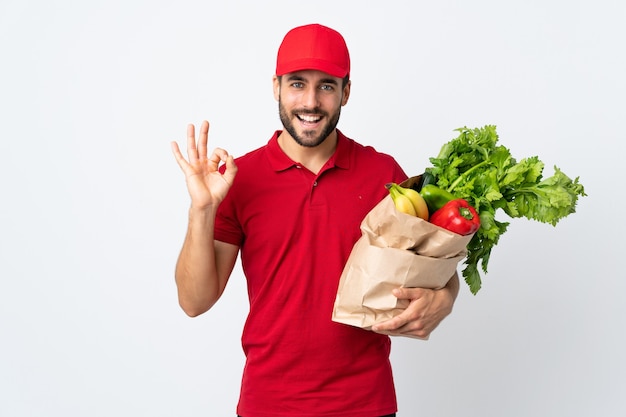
(197, 280)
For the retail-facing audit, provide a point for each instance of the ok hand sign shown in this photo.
(206, 185)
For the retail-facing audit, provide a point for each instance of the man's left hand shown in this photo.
(426, 309)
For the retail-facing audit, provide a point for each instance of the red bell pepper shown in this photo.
(457, 216)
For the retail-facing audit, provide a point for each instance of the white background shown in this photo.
(93, 207)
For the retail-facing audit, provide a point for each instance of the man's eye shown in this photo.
(327, 87)
(297, 85)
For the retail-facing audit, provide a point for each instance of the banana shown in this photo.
(421, 208)
(403, 203)
(408, 201)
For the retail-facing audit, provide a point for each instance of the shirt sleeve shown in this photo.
(227, 226)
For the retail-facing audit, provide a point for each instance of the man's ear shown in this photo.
(276, 87)
(346, 93)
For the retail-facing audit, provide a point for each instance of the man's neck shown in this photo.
(312, 158)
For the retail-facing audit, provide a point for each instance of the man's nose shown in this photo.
(310, 98)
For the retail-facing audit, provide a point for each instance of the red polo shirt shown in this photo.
(296, 230)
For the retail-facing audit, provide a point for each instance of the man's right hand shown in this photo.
(206, 185)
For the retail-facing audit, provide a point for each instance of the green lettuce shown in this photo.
(475, 167)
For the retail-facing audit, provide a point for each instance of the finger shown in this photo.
(219, 155)
(404, 293)
(176, 151)
(395, 327)
(192, 151)
(180, 159)
(391, 325)
(203, 140)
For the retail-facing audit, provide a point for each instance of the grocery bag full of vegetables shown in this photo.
(469, 182)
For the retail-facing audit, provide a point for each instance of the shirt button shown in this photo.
(315, 184)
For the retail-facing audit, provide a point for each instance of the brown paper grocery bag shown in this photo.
(394, 250)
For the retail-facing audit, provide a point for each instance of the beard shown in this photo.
(307, 138)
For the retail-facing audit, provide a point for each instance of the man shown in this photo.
(293, 208)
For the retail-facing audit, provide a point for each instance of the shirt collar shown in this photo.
(280, 161)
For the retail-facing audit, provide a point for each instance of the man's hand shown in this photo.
(426, 309)
(206, 185)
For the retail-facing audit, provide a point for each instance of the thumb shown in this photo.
(231, 169)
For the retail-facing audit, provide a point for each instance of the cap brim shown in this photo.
(312, 64)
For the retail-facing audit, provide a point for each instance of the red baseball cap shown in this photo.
(313, 47)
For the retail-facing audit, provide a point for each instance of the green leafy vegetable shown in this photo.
(474, 167)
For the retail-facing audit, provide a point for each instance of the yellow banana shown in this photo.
(421, 208)
(408, 201)
(403, 203)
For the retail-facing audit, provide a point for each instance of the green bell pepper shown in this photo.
(435, 197)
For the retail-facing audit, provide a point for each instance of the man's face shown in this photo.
(309, 104)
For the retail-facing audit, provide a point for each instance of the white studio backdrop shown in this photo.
(93, 207)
